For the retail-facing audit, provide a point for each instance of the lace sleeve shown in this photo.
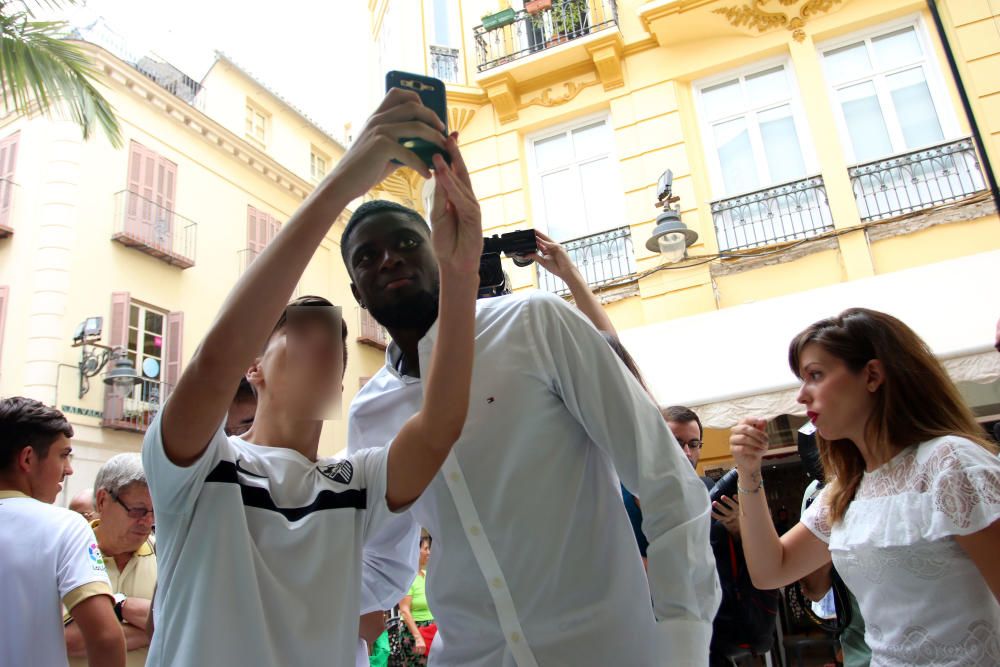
(817, 517)
(965, 488)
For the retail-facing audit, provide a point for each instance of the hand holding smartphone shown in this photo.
(432, 95)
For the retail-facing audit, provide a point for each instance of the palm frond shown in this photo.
(37, 64)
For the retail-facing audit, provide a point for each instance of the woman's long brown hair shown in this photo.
(916, 402)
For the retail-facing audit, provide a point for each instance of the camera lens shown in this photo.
(522, 260)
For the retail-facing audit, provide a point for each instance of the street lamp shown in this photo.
(671, 237)
(122, 375)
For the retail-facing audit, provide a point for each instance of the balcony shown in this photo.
(8, 198)
(560, 21)
(445, 63)
(134, 411)
(786, 212)
(917, 180)
(151, 228)
(370, 332)
(601, 258)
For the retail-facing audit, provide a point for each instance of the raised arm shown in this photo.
(199, 402)
(426, 439)
(773, 562)
(552, 257)
(623, 421)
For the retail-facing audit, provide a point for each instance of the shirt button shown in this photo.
(475, 530)
(497, 582)
(515, 637)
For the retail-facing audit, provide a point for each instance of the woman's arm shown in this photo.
(982, 547)
(426, 438)
(553, 258)
(773, 562)
(406, 613)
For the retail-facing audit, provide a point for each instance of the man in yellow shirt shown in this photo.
(123, 534)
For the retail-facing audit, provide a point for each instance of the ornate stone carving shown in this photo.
(755, 14)
(572, 89)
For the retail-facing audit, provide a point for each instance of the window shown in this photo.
(318, 164)
(257, 120)
(4, 297)
(152, 188)
(8, 163)
(887, 95)
(576, 184)
(152, 339)
(754, 128)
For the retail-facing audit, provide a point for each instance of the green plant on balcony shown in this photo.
(495, 20)
(565, 17)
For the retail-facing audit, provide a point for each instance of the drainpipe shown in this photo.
(977, 137)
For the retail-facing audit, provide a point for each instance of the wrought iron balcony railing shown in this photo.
(135, 410)
(601, 258)
(917, 180)
(445, 63)
(786, 212)
(526, 32)
(151, 228)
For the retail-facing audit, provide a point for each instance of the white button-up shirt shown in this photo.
(534, 559)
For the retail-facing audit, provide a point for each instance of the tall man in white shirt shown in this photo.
(536, 563)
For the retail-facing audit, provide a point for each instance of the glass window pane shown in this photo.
(781, 144)
(154, 322)
(897, 48)
(152, 345)
(442, 31)
(767, 87)
(133, 339)
(133, 316)
(739, 170)
(725, 99)
(600, 200)
(552, 152)
(915, 108)
(563, 206)
(591, 141)
(865, 122)
(847, 62)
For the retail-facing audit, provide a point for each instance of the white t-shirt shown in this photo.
(49, 558)
(259, 553)
(924, 601)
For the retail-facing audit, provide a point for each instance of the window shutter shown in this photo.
(114, 406)
(166, 184)
(8, 163)
(4, 292)
(174, 349)
(139, 213)
(273, 227)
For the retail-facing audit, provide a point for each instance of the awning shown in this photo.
(733, 363)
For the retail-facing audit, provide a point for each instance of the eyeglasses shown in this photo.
(690, 444)
(136, 513)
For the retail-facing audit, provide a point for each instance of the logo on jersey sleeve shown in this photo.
(341, 472)
(96, 558)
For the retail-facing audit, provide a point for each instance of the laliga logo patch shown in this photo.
(341, 472)
(96, 559)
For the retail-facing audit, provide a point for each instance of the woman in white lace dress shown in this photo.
(911, 518)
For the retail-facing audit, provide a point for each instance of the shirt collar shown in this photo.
(393, 354)
(11, 493)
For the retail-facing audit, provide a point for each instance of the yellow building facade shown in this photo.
(150, 239)
(820, 150)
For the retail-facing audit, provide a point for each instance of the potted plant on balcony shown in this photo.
(537, 6)
(495, 20)
(565, 18)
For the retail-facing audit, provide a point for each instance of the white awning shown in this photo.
(733, 363)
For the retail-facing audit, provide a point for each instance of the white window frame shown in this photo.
(705, 124)
(940, 95)
(535, 176)
(253, 111)
(317, 155)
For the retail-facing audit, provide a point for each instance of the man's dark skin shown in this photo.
(395, 277)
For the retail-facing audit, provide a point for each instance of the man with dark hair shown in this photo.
(686, 427)
(553, 416)
(50, 557)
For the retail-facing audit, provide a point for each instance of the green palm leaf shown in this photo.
(38, 65)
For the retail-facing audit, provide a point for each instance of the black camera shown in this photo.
(516, 245)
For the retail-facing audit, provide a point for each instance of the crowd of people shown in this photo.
(515, 434)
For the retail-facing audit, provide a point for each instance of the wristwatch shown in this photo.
(119, 602)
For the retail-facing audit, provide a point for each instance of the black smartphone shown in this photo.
(432, 94)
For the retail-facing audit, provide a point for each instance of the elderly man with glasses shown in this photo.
(123, 532)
